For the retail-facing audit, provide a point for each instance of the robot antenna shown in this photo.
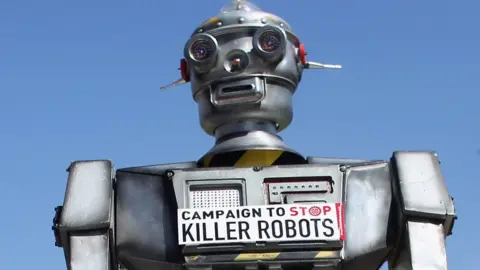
(312, 65)
(183, 80)
(173, 84)
(315, 65)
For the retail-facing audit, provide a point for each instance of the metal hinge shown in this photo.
(56, 225)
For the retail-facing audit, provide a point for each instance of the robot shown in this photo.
(251, 202)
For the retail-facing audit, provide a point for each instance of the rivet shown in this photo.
(219, 23)
(200, 30)
(241, 20)
(264, 20)
(282, 25)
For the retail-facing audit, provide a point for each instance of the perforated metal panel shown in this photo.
(215, 198)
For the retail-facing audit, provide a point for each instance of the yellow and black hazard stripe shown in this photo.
(306, 256)
(250, 158)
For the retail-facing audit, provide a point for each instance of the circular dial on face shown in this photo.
(270, 41)
(236, 61)
(202, 49)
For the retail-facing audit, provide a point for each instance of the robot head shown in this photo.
(244, 64)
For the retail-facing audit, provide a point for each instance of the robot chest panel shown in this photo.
(302, 206)
(314, 202)
(251, 205)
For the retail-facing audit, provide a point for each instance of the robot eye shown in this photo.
(202, 49)
(270, 42)
(201, 52)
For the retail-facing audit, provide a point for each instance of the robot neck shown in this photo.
(249, 143)
(244, 128)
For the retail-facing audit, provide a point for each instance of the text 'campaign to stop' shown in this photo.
(246, 224)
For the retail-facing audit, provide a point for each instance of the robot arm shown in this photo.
(82, 226)
(427, 212)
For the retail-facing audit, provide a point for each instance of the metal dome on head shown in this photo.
(244, 65)
(244, 13)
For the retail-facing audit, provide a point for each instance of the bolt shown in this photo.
(169, 174)
(343, 168)
(438, 158)
(257, 169)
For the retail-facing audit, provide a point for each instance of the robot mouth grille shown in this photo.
(238, 88)
(215, 198)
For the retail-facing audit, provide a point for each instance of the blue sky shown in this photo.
(80, 79)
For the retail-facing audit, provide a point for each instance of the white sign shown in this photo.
(266, 223)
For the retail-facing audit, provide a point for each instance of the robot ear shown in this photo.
(185, 76)
(302, 55)
(174, 84)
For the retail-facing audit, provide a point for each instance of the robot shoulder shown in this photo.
(421, 187)
(87, 201)
(88, 195)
